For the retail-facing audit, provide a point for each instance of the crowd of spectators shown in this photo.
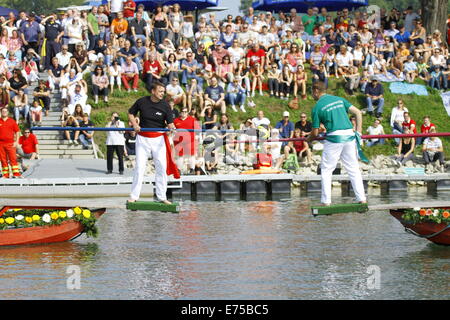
(212, 68)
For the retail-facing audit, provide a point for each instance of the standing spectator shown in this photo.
(130, 72)
(30, 33)
(374, 95)
(119, 26)
(4, 98)
(53, 35)
(100, 84)
(74, 32)
(375, 129)
(9, 141)
(215, 95)
(115, 6)
(28, 146)
(86, 136)
(42, 95)
(286, 127)
(93, 28)
(115, 142)
(175, 22)
(433, 149)
(138, 28)
(160, 25)
(129, 8)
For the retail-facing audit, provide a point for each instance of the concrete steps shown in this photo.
(52, 145)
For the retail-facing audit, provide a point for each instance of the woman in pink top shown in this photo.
(15, 44)
(225, 70)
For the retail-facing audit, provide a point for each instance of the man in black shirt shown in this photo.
(154, 112)
(304, 125)
(53, 34)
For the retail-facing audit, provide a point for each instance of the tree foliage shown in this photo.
(39, 6)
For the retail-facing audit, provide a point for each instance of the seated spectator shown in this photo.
(21, 107)
(405, 149)
(215, 95)
(42, 94)
(194, 93)
(437, 79)
(36, 113)
(300, 80)
(16, 82)
(152, 70)
(28, 146)
(78, 96)
(397, 118)
(410, 69)
(433, 149)
(81, 56)
(55, 74)
(375, 129)
(115, 76)
(190, 67)
(209, 117)
(374, 96)
(172, 68)
(86, 136)
(100, 85)
(321, 75)
(344, 60)
(71, 135)
(224, 71)
(409, 123)
(300, 148)
(352, 79)
(129, 51)
(273, 79)
(175, 93)
(64, 56)
(425, 128)
(236, 94)
(68, 83)
(304, 125)
(4, 97)
(287, 83)
(260, 120)
(31, 69)
(286, 127)
(130, 72)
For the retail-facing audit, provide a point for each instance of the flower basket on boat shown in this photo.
(31, 225)
(430, 223)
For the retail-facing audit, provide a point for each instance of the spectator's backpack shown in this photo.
(291, 163)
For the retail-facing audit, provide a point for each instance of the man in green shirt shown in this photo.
(309, 21)
(342, 142)
(93, 29)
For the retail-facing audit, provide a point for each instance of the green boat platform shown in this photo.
(153, 206)
(339, 208)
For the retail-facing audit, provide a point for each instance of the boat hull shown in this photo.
(65, 231)
(425, 228)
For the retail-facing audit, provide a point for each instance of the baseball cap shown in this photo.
(286, 114)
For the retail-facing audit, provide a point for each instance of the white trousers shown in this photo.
(347, 152)
(145, 148)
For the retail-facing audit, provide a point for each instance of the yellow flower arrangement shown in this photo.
(9, 220)
(2, 221)
(36, 217)
(77, 210)
(54, 215)
(29, 219)
(86, 214)
(62, 214)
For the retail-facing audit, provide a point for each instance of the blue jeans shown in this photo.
(85, 141)
(185, 77)
(25, 111)
(236, 98)
(160, 34)
(371, 102)
(379, 141)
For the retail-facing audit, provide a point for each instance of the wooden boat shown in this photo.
(438, 233)
(67, 230)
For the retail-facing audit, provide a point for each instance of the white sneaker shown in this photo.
(71, 142)
(75, 142)
(253, 94)
(234, 108)
(135, 90)
(243, 109)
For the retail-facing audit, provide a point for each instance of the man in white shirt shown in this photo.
(266, 39)
(78, 96)
(260, 120)
(115, 6)
(64, 56)
(344, 60)
(245, 35)
(375, 129)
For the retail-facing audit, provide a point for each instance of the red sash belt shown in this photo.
(171, 166)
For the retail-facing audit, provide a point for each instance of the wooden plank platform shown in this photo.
(339, 208)
(153, 206)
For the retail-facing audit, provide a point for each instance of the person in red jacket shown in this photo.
(425, 128)
(9, 140)
(29, 146)
(185, 142)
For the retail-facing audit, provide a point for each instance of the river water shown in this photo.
(235, 250)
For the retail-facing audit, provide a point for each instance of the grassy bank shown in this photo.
(418, 106)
